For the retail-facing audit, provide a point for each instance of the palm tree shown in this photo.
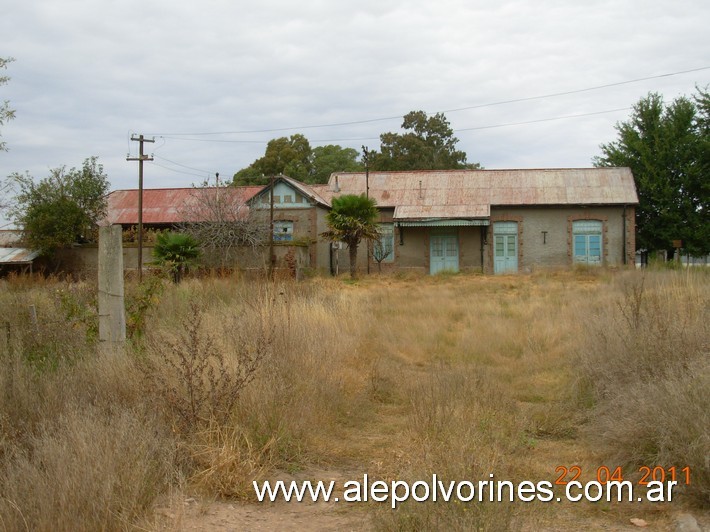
(351, 219)
(176, 251)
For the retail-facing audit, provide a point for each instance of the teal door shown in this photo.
(505, 247)
(443, 253)
(587, 241)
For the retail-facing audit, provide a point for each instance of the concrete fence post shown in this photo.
(112, 312)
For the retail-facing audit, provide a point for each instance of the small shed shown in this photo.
(20, 258)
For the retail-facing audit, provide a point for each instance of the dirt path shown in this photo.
(372, 452)
(240, 516)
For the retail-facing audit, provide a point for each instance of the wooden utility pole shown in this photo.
(366, 158)
(141, 157)
(272, 258)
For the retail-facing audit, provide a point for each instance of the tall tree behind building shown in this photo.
(667, 148)
(427, 144)
(294, 157)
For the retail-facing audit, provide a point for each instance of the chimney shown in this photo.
(337, 185)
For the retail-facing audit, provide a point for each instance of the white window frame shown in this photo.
(386, 239)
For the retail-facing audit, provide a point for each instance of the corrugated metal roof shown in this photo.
(165, 205)
(448, 193)
(415, 195)
(17, 255)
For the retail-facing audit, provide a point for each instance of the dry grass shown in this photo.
(461, 376)
(78, 450)
(645, 374)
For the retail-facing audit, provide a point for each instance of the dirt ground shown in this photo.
(191, 514)
(183, 513)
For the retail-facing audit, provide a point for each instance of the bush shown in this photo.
(199, 378)
(176, 252)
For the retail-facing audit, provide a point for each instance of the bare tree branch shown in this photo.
(218, 217)
(5, 192)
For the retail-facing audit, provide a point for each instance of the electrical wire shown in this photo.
(178, 164)
(202, 175)
(542, 120)
(478, 106)
(359, 139)
(186, 136)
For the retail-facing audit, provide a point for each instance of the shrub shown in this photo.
(176, 252)
(198, 379)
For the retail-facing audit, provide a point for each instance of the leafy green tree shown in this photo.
(61, 209)
(333, 158)
(702, 101)
(294, 157)
(6, 114)
(427, 144)
(351, 219)
(665, 146)
(176, 252)
(288, 156)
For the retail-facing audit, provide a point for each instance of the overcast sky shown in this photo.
(89, 73)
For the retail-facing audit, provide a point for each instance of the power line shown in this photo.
(170, 137)
(479, 106)
(360, 139)
(181, 171)
(178, 164)
(576, 91)
(543, 120)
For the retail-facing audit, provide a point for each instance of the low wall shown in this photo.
(82, 261)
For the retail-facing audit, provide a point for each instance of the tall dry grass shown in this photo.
(644, 373)
(227, 380)
(467, 359)
(79, 450)
(309, 380)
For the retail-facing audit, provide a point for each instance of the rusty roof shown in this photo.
(17, 255)
(470, 193)
(422, 194)
(165, 205)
